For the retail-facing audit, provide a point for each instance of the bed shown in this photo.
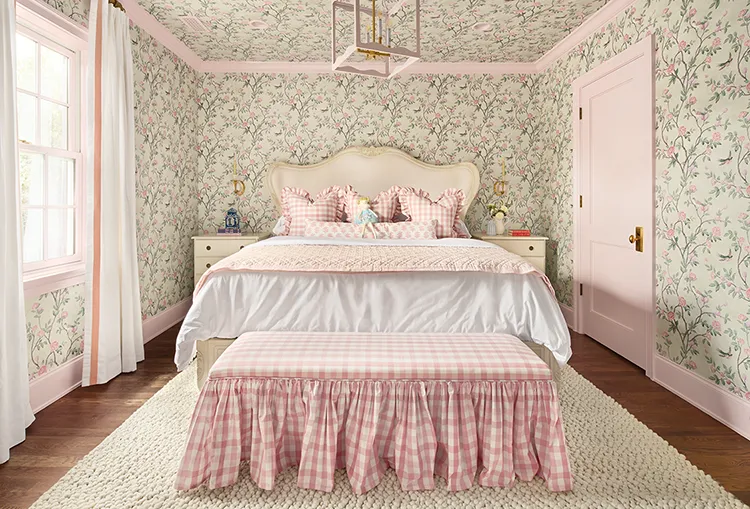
(229, 303)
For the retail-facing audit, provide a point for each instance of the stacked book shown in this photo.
(520, 233)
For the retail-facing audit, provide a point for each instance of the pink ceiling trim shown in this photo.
(150, 24)
(228, 66)
(593, 23)
(472, 68)
(147, 22)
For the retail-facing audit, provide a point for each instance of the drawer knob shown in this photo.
(208, 265)
(531, 248)
(208, 248)
(241, 247)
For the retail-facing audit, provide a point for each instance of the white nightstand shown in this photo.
(209, 249)
(533, 249)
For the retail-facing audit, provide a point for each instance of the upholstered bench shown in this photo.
(423, 404)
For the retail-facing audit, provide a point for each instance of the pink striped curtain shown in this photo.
(114, 335)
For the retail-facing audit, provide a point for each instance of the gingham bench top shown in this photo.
(379, 356)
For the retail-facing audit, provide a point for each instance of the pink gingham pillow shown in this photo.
(405, 230)
(385, 204)
(417, 206)
(297, 207)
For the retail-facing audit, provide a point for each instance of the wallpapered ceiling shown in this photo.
(702, 176)
(303, 119)
(300, 30)
(165, 89)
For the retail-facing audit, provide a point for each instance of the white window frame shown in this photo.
(39, 22)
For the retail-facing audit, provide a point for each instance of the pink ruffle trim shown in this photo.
(500, 430)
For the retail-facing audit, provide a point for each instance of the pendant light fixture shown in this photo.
(383, 58)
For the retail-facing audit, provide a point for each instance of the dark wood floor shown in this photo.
(67, 430)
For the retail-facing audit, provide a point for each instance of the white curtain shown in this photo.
(15, 410)
(113, 333)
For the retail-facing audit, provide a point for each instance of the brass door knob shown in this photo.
(633, 238)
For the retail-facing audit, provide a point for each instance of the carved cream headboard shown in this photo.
(374, 169)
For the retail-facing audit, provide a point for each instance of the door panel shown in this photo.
(616, 181)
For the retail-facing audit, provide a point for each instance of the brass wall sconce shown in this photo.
(238, 186)
(500, 186)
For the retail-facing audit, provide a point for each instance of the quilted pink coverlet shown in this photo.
(482, 408)
(372, 258)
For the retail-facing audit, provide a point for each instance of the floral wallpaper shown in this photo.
(262, 118)
(165, 116)
(300, 30)
(76, 10)
(166, 160)
(702, 176)
(54, 329)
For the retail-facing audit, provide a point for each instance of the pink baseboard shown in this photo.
(157, 324)
(570, 316)
(730, 410)
(49, 388)
(57, 383)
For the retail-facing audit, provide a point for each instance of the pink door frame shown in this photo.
(645, 47)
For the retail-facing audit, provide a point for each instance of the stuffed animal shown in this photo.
(366, 216)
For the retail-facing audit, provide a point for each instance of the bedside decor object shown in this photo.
(532, 249)
(231, 223)
(374, 42)
(491, 230)
(496, 223)
(520, 233)
(238, 186)
(499, 225)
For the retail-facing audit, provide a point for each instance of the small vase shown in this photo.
(491, 230)
(499, 226)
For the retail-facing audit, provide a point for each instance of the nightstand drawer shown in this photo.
(523, 247)
(203, 263)
(219, 247)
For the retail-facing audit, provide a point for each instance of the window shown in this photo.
(49, 75)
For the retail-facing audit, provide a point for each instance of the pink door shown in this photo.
(616, 207)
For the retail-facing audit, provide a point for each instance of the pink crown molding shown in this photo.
(151, 25)
(34, 8)
(147, 22)
(229, 66)
(593, 23)
(496, 68)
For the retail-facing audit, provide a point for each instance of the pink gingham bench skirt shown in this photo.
(421, 404)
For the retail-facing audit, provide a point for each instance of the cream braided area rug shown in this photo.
(617, 462)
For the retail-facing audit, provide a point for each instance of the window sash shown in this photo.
(73, 103)
(78, 207)
(34, 270)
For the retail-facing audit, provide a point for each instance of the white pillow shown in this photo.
(280, 226)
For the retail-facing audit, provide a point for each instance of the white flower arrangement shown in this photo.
(497, 211)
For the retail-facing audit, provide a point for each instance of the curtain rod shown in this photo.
(116, 4)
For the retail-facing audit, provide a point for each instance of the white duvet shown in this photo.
(230, 304)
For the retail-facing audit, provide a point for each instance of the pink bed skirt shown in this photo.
(500, 430)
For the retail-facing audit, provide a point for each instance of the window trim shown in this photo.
(60, 32)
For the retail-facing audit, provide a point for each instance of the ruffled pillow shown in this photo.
(297, 207)
(417, 206)
(384, 204)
